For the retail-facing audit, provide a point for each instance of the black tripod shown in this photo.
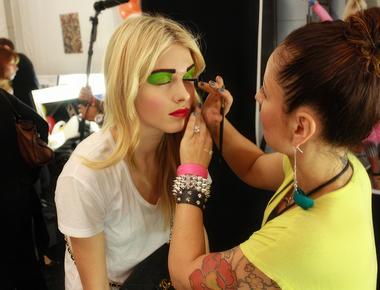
(94, 21)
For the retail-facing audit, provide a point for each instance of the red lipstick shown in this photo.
(181, 113)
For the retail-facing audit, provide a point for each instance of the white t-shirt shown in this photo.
(91, 201)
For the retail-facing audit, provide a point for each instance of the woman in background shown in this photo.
(23, 229)
(8, 68)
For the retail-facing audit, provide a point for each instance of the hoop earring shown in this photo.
(299, 196)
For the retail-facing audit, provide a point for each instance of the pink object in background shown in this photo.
(371, 147)
(320, 10)
(374, 137)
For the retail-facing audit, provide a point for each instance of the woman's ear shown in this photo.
(304, 127)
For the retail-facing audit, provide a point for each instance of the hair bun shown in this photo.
(363, 32)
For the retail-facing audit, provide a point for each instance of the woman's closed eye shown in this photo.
(190, 75)
(160, 77)
(165, 76)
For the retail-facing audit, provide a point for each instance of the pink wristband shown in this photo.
(192, 169)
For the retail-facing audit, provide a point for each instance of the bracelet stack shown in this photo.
(192, 169)
(191, 189)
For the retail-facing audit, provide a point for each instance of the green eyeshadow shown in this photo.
(165, 76)
(189, 75)
(160, 78)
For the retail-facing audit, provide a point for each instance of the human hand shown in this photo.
(196, 144)
(211, 110)
(87, 104)
(85, 94)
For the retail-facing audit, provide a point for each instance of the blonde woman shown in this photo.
(113, 196)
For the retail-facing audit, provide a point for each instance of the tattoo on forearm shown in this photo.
(229, 270)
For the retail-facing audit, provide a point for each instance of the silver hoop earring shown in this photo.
(299, 196)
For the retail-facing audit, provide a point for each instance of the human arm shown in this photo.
(189, 265)
(81, 210)
(207, 244)
(247, 160)
(90, 259)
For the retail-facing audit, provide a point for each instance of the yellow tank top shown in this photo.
(329, 246)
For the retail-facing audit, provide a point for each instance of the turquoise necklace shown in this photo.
(302, 199)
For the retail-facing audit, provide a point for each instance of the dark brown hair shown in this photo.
(334, 67)
(7, 42)
(6, 56)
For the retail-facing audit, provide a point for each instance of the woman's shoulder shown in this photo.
(359, 188)
(96, 146)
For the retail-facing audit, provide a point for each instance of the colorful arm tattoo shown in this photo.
(229, 270)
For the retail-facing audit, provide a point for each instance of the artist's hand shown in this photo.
(196, 144)
(85, 94)
(211, 110)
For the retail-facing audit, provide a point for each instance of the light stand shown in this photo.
(94, 21)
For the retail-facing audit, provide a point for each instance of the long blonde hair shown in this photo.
(131, 55)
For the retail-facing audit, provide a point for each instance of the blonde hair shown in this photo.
(132, 53)
(352, 7)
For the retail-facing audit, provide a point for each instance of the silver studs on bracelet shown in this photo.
(191, 189)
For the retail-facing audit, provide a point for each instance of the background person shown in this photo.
(8, 68)
(26, 79)
(24, 232)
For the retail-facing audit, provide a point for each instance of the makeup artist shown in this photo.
(317, 101)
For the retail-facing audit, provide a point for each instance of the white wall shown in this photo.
(291, 14)
(3, 21)
(38, 34)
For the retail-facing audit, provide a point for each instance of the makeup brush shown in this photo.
(221, 127)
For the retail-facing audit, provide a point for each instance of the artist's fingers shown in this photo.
(217, 92)
(189, 131)
(219, 82)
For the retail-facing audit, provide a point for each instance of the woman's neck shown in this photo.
(149, 142)
(144, 174)
(319, 164)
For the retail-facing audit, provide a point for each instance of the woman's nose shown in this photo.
(181, 92)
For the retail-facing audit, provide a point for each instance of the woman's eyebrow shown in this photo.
(168, 70)
(190, 67)
(171, 70)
